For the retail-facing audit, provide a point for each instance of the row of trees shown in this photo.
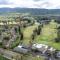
(58, 35)
(36, 31)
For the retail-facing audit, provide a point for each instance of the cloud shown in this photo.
(43, 4)
(49, 4)
(36, 0)
(39, 0)
(5, 2)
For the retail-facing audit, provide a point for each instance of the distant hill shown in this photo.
(33, 11)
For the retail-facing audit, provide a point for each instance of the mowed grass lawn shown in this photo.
(27, 34)
(48, 34)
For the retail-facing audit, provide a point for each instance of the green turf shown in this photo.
(48, 34)
(27, 34)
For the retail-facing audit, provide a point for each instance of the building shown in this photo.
(42, 48)
(21, 49)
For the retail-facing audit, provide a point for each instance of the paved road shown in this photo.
(8, 54)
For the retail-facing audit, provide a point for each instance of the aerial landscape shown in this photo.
(29, 30)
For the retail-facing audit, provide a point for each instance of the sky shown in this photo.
(47, 4)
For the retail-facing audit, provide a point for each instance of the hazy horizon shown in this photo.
(45, 4)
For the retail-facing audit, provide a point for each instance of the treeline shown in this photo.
(33, 11)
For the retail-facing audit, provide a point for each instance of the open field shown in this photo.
(48, 34)
(30, 57)
(27, 33)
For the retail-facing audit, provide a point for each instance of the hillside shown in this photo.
(33, 11)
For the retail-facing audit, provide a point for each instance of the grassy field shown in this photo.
(27, 34)
(30, 57)
(48, 34)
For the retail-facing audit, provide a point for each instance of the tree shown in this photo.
(21, 37)
(35, 31)
(19, 29)
(58, 35)
(33, 36)
(16, 30)
(29, 21)
(39, 30)
(24, 25)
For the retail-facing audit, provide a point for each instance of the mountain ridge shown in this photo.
(33, 11)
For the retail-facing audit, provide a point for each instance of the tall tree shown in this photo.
(39, 30)
(21, 38)
(58, 35)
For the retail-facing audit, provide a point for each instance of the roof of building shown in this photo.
(21, 49)
(40, 45)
